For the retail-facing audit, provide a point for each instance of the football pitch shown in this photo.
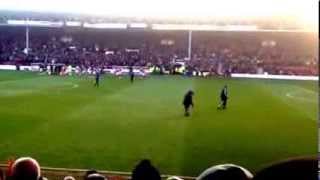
(66, 122)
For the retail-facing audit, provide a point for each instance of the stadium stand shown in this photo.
(214, 53)
(279, 51)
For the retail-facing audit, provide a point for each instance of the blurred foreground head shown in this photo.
(1, 175)
(94, 175)
(225, 172)
(145, 171)
(69, 178)
(190, 92)
(25, 168)
(174, 178)
(293, 169)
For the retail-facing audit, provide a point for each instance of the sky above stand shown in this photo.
(303, 11)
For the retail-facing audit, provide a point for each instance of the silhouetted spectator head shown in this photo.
(69, 178)
(1, 175)
(90, 172)
(225, 172)
(145, 171)
(25, 169)
(94, 175)
(174, 178)
(190, 92)
(294, 169)
(43, 178)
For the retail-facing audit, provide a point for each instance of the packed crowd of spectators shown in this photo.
(295, 169)
(219, 55)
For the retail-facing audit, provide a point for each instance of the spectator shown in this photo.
(92, 171)
(1, 175)
(145, 171)
(43, 178)
(294, 169)
(225, 172)
(25, 168)
(94, 175)
(174, 178)
(69, 178)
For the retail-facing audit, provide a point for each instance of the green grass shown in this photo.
(66, 122)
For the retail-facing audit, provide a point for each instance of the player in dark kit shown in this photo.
(223, 98)
(187, 102)
(97, 77)
(131, 73)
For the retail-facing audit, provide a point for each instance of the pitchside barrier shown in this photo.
(118, 70)
(269, 76)
(8, 67)
(60, 173)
